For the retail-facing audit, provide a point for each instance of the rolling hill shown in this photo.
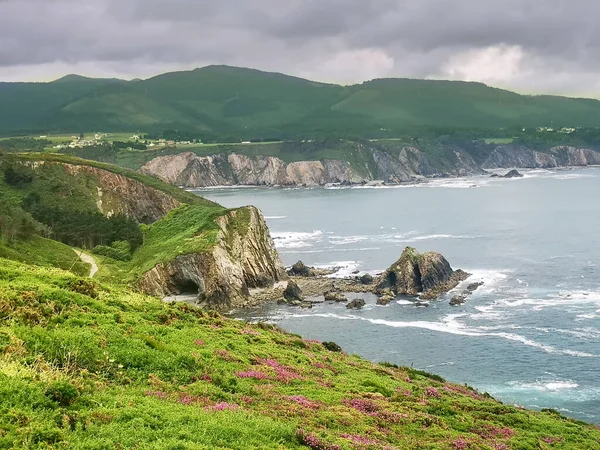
(246, 103)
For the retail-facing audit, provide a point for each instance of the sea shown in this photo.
(529, 336)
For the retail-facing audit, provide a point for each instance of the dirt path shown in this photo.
(89, 260)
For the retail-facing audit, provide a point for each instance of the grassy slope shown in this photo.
(90, 367)
(45, 253)
(222, 100)
(188, 229)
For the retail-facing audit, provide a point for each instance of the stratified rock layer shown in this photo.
(428, 274)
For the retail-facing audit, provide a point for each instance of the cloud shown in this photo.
(497, 63)
(525, 45)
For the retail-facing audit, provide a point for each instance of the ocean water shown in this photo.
(529, 336)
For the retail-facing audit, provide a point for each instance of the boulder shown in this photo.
(366, 279)
(422, 304)
(474, 286)
(458, 300)
(513, 174)
(333, 296)
(358, 303)
(429, 274)
(301, 270)
(293, 293)
(385, 300)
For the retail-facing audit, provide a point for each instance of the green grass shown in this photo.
(46, 253)
(178, 194)
(87, 366)
(189, 229)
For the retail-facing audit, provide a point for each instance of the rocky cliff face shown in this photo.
(190, 170)
(520, 157)
(118, 194)
(407, 164)
(243, 258)
(428, 274)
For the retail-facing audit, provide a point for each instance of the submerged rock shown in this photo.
(429, 274)
(458, 300)
(358, 303)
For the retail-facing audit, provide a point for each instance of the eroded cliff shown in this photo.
(244, 257)
(363, 163)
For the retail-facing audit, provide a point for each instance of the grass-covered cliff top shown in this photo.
(84, 366)
(178, 194)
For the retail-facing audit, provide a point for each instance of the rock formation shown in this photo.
(513, 174)
(371, 163)
(243, 257)
(359, 303)
(428, 274)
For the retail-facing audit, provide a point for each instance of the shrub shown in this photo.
(62, 392)
(84, 287)
(332, 347)
(118, 250)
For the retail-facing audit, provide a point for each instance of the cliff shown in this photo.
(243, 258)
(184, 242)
(360, 163)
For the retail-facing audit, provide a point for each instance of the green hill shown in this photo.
(245, 103)
(89, 366)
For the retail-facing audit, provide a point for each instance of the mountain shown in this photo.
(231, 101)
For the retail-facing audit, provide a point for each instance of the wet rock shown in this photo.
(385, 300)
(366, 279)
(293, 292)
(333, 296)
(414, 273)
(301, 270)
(474, 286)
(422, 304)
(458, 300)
(264, 280)
(358, 303)
(513, 174)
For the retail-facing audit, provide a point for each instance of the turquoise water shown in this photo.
(530, 336)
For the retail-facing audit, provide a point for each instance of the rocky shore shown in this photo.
(421, 277)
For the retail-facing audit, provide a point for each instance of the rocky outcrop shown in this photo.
(243, 258)
(521, 157)
(513, 174)
(372, 162)
(358, 303)
(118, 194)
(428, 274)
(292, 292)
(189, 170)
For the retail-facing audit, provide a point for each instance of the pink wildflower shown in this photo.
(157, 394)
(315, 443)
(303, 401)
(460, 444)
(364, 406)
(199, 342)
(432, 392)
(224, 406)
(255, 374)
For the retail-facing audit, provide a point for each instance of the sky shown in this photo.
(530, 46)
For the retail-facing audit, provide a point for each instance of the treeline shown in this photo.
(85, 229)
(24, 144)
(36, 214)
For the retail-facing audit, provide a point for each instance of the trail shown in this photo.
(89, 260)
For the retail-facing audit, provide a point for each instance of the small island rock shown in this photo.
(358, 303)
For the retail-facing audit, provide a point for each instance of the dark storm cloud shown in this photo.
(524, 44)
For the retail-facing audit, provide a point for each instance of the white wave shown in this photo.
(294, 239)
(275, 217)
(561, 299)
(544, 385)
(405, 302)
(450, 325)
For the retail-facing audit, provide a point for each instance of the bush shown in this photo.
(118, 250)
(332, 347)
(62, 392)
(84, 287)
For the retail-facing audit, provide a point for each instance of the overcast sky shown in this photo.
(530, 46)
